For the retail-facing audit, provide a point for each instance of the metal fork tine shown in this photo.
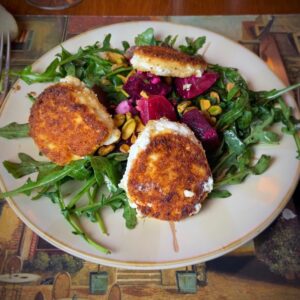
(1, 51)
(7, 64)
(3, 91)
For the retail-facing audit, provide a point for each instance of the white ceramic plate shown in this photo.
(221, 226)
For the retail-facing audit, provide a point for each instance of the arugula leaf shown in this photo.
(118, 71)
(235, 112)
(50, 74)
(231, 162)
(41, 193)
(259, 134)
(229, 75)
(82, 172)
(125, 45)
(118, 156)
(112, 85)
(169, 41)
(273, 94)
(116, 201)
(86, 64)
(235, 170)
(27, 166)
(192, 46)
(70, 69)
(95, 216)
(14, 131)
(290, 124)
(48, 169)
(262, 165)
(90, 52)
(244, 169)
(218, 194)
(99, 166)
(245, 120)
(84, 189)
(235, 145)
(245, 159)
(146, 38)
(74, 222)
(53, 196)
(51, 178)
(224, 162)
(31, 97)
(234, 178)
(234, 91)
(129, 215)
(106, 43)
(107, 170)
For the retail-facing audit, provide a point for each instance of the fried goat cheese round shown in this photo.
(166, 61)
(67, 121)
(167, 175)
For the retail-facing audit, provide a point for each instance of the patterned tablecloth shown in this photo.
(266, 268)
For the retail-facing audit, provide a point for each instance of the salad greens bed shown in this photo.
(246, 120)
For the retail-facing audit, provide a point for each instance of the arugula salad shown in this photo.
(235, 116)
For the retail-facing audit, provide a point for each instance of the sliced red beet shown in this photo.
(147, 82)
(193, 86)
(154, 108)
(202, 129)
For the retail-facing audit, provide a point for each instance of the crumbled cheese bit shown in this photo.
(199, 73)
(187, 86)
(208, 185)
(197, 209)
(72, 80)
(131, 204)
(113, 138)
(188, 194)
(139, 214)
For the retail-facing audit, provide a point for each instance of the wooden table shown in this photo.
(161, 7)
(16, 280)
(238, 275)
(19, 278)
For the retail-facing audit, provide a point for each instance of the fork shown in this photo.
(4, 78)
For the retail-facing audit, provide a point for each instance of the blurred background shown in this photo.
(158, 7)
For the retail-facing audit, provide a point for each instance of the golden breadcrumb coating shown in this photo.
(68, 122)
(167, 180)
(165, 61)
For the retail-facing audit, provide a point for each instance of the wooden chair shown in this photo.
(2, 292)
(13, 264)
(61, 286)
(114, 293)
(3, 257)
(39, 296)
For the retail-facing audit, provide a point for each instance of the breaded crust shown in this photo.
(66, 124)
(170, 166)
(165, 61)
